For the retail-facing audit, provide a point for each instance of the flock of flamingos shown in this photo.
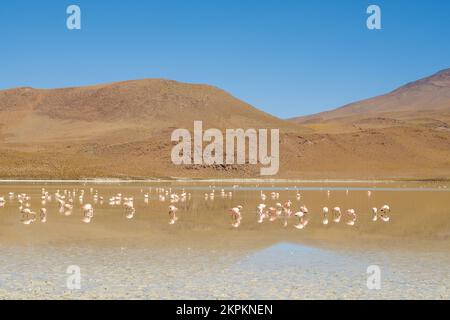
(285, 211)
(66, 200)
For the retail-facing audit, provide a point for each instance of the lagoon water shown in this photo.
(203, 256)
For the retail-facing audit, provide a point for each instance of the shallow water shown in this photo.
(202, 256)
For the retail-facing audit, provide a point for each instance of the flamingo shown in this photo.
(236, 216)
(272, 213)
(263, 196)
(172, 214)
(174, 198)
(68, 208)
(279, 209)
(88, 212)
(129, 208)
(337, 214)
(112, 201)
(260, 211)
(287, 208)
(61, 203)
(279, 212)
(26, 213)
(301, 215)
(352, 214)
(325, 215)
(118, 199)
(374, 214)
(383, 213)
(43, 215)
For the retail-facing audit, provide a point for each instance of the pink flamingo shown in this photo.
(383, 213)
(172, 214)
(43, 215)
(352, 214)
(261, 213)
(337, 214)
(325, 215)
(88, 212)
(236, 216)
(301, 215)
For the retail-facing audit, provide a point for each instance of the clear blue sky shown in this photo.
(287, 57)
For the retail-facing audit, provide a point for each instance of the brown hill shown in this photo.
(146, 104)
(423, 102)
(403, 134)
(123, 130)
(114, 130)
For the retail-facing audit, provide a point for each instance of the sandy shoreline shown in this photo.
(231, 180)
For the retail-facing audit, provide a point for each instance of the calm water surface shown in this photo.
(203, 256)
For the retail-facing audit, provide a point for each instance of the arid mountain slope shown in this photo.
(425, 102)
(114, 130)
(123, 130)
(403, 134)
(28, 114)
